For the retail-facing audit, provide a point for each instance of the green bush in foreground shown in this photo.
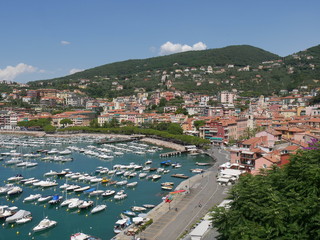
(282, 203)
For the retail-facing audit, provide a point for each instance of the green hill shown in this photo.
(188, 71)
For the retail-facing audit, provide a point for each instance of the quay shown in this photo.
(122, 140)
(171, 221)
(170, 154)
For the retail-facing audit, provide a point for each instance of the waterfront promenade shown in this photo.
(172, 221)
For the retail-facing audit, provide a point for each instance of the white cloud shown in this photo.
(75, 70)
(65, 43)
(169, 47)
(11, 72)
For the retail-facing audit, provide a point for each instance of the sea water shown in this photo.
(69, 222)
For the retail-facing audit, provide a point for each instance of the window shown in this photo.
(264, 166)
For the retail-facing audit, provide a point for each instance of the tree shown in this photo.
(94, 123)
(175, 128)
(163, 102)
(66, 121)
(182, 111)
(114, 123)
(49, 129)
(199, 123)
(281, 203)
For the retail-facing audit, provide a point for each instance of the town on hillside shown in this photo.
(258, 132)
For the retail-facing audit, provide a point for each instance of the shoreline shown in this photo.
(149, 140)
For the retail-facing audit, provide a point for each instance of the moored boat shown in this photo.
(83, 236)
(98, 208)
(44, 224)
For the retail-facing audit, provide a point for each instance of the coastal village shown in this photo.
(258, 132)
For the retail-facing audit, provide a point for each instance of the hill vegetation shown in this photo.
(243, 67)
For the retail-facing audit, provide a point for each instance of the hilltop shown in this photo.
(242, 67)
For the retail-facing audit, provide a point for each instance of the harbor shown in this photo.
(144, 191)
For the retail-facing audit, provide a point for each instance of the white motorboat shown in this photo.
(24, 220)
(85, 204)
(120, 183)
(148, 205)
(32, 197)
(82, 236)
(121, 224)
(6, 188)
(138, 209)
(148, 162)
(50, 173)
(15, 190)
(108, 193)
(16, 178)
(31, 182)
(82, 189)
(44, 224)
(142, 175)
(156, 177)
(120, 195)
(53, 151)
(47, 184)
(132, 184)
(68, 201)
(96, 193)
(31, 164)
(75, 204)
(17, 216)
(98, 208)
(44, 199)
(65, 152)
(72, 187)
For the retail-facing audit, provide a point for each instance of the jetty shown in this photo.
(171, 154)
(121, 140)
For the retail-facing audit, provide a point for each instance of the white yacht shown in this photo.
(32, 197)
(98, 208)
(44, 224)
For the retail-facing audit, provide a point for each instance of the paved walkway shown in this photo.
(205, 192)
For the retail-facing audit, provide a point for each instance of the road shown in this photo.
(205, 192)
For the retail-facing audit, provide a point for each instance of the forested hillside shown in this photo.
(244, 67)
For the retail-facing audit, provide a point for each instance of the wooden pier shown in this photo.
(171, 154)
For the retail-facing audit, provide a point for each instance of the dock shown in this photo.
(171, 154)
(122, 140)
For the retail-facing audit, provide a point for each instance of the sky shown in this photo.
(47, 39)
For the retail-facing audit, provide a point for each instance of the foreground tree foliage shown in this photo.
(282, 203)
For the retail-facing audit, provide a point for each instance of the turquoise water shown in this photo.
(69, 222)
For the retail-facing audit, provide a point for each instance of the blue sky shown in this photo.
(46, 39)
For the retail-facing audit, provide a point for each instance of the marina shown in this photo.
(101, 198)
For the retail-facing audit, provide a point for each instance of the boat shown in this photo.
(24, 220)
(50, 173)
(68, 201)
(168, 188)
(138, 209)
(197, 170)
(148, 162)
(6, 188)
(156, 177)
(72, 187)
(167, 183)
(14, 191)
(85, 189)
(17, 216)
(132, 184)
(85, 204)
(96, 193)
(89, 190)
(179, 175)
(121, 224)
(108, 193)
(120, 195)
(31, 164)
(5, 212)
(75, 204)
(129, 213)
(16, 178)
(83, 236)
(142, 175)
(98, 208)
(148, 205)
(32, 197)
(120, 183)
(65, 152)
(44, 199)
(203, 164)
(44, 224)
(55, 199)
